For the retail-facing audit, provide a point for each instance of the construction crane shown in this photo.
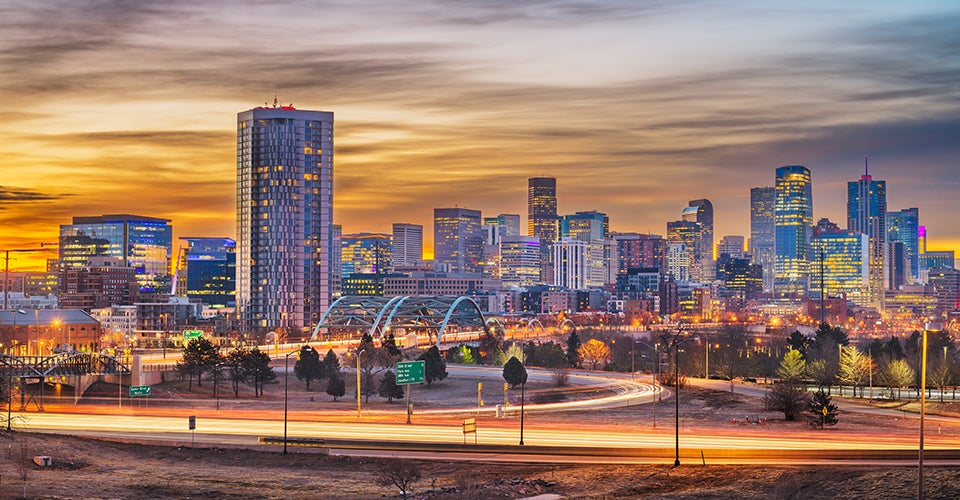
(44, 247)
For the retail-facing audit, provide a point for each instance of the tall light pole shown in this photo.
(359, 353)
(927, 328)
(676, 380)
(286, 376)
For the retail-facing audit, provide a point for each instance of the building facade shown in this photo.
(904, 227)
(867, 214)
(793, 220)
(284, 218)
(457, 240)
(407, 244)
(840, 266)
(143, 243)
(210, 271)
(519, 261)
(763, 232)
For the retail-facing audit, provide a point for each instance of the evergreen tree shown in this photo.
(257, 365)
(788, 396)
(199, 356)
(514, 373)
(389, 388)
(798, 342)
(308, 366)
(236, 368)
(573, 348)
(336, 387)
(390, 344)
(822, 410)
(435, 368)
(331, 363)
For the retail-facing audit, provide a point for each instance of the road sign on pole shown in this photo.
(410, 372)
(139, 390)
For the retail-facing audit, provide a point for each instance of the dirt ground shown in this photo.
(91, 469)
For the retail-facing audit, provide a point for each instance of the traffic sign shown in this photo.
(139, 390)
(192, 334)
(410, 372)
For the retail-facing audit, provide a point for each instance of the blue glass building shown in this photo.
(211, 270)
(793, 224)
(904, 227)
(867, 214)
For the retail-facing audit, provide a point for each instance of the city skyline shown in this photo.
(123, 108)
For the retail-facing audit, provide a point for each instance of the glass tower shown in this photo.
(867, 214)
(793, 226)
(211, 270)
(904, 227)
(284, 217)
(763, 232)
(143, 243)
(542, 209)
(458, 240)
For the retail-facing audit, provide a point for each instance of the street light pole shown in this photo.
(286, 377)
(359, 353)
(927, 328)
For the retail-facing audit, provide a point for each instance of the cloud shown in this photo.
(10, 195)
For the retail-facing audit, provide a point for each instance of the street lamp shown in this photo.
(359, 353)
(676, 380)
(286, 377)
(929, 327)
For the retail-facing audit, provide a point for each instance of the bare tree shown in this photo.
(400, 473)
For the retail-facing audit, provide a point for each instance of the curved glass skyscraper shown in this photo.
(793, 221)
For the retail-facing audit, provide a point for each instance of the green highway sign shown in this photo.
(139, 390)
(410, 372)
(192, 334)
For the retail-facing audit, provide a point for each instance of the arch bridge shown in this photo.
(376, 316)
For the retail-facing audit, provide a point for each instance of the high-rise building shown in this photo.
(763, 232)
(143, 243)
(210, 270)
(678, 261)
(519, 261)
(542, 209)
(365, 253)
(586, 226)
(284, 218)
(687, 232)
(867, 214)
(793, 220)
(457, 240)
(407, 244)
(904, 227)
(570, 256)
(510, 223)
(732, 246)
(635, 251)
(705, 219)
(839, 266)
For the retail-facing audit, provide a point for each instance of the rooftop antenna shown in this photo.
(866, 165)
(276, 99)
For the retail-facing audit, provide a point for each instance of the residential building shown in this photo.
(285, 277)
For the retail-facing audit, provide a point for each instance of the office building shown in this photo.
(704, 217)
(840, 267)
(143, 243)
(867, 214)
(509, 222)
(687, 232)
(457, 240)
(365, 253)
(904, 227)
(284, 218)
(793, 221)
(407, 244)
(636, 251)
(208, 271)
(732, 246)
(763, 232)
(576, 264)
(519, 261)
(542, 209)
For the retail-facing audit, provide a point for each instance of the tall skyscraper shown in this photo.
(457, 240)
(793, 219)
(635, 251)
(763, 232)
(867, 214)
(839, 266)
(687, 232)
(143, 243)
(542, 209)
(407, 244)
(284, 218)
(542, 220)
(904, 227)
(708, 269)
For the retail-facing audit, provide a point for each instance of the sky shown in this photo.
(636, 107)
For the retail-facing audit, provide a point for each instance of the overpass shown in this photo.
(83, 367)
